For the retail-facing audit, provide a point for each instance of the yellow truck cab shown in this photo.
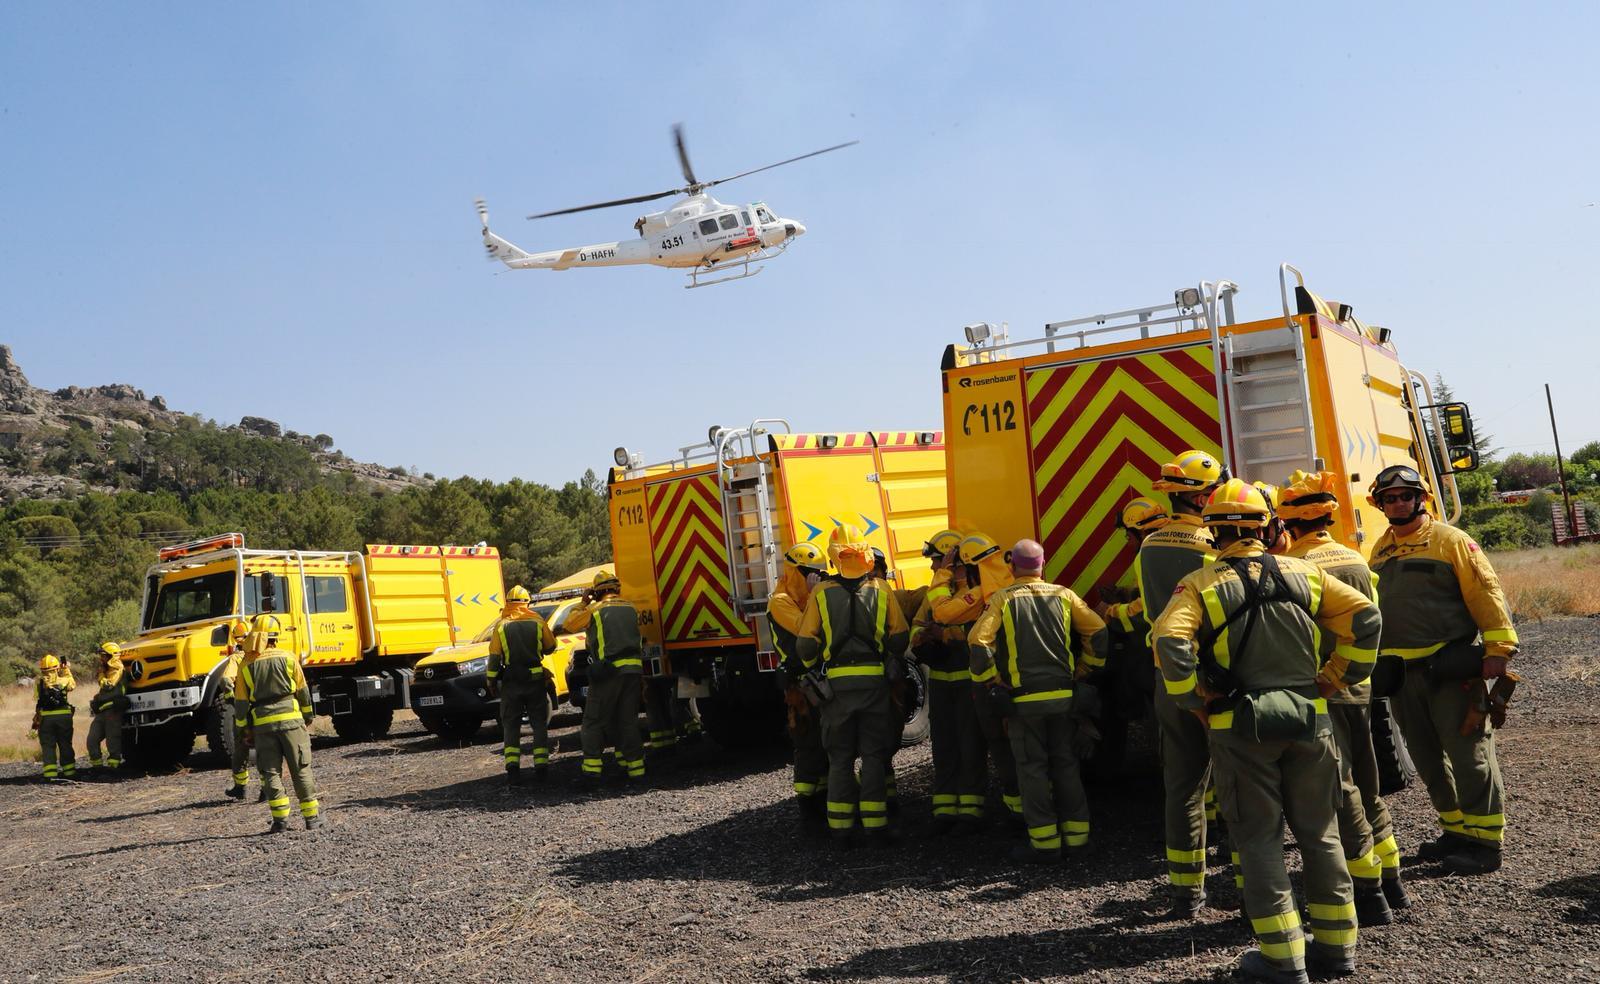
(698, 542)
(357, 621)
(449, 690)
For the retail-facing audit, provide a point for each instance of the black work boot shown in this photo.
(261, 795)
(236, 792)
(1028, 854)
(944, 824)
(1372, 908)
(1442, 847)
(1256, 967)
(278, 827)
(1187, 905)
(513, 775)
(1395, 890)
(541, 772)
(1326, 964)
(312, 823)
(1473, 860)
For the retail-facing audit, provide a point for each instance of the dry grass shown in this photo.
(1551, 581)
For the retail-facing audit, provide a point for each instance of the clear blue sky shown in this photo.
(268, 210)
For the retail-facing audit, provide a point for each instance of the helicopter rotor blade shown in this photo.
(619, 201)
(814, 153)
(683, 154)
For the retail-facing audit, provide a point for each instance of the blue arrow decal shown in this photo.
(1349, 445)
(836, 522)
(1364, 446)
(495, 598)
(461, 599)
(812, 532)
(475, 599)
(870, 524)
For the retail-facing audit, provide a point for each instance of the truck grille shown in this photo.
(438, 671)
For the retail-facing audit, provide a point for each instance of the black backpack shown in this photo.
(52, 698)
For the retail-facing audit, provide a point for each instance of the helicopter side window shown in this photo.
(708, 226)
(744, 217)
(730, 221)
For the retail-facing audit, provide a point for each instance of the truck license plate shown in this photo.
(430, 701)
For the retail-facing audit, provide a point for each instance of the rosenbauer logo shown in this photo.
(966, 382)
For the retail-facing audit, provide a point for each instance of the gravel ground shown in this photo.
(429, 868)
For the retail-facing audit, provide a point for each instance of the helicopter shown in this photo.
(696, 232)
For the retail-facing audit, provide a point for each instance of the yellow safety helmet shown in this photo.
(48, 662)
(518, 593)
(1309, 496)
(1237, 503)
(807, 555)
(1271, 492)
(976, 547)
(1398, 477)
(941, 544)
(268, 623)
(1142, 514)
(1191, 471)
(848, 550)
(605, 580)
(110, 649)
(241, 628)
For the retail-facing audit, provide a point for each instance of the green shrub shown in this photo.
(1508, 530)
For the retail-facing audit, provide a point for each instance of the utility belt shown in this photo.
(1275, 714)
(1451, 662)
(1005, 699)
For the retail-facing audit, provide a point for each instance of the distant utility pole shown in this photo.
(1561, 469)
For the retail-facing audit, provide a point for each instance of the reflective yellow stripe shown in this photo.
(983, 676)
(827, 626)
(1356, 654)
(619, 664)
(1284, 951)
(275, 718)
(950, 676)
(1283, 922)
(883, 616)
(1218, 617)
(1314, 581)
(879, 806)
(875, 669)
(1221, 721)
(1410, 654)
(1042, 695)
(1185, 878)
(1335, 937)
(1177, 688)
(1322, 912)
(59, 710)
(1180, 857)
(1013, 677)
(1076, 827)
(1500, 635)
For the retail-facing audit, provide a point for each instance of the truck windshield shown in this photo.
(206, 596)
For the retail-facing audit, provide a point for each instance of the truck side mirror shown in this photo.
(269, 591)
(1456, 420)
(1463, 458)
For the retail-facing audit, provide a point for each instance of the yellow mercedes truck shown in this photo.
(699, 540)
(358, 622)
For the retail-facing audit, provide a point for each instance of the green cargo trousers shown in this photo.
(1363, 816)
(518, 699)
(810, 760)
(1053, 802)
(960, 752)
(1461, 772)
(612, 710)
(55, 746)
(289, 746)
(239, 755)
(1185, 774)
(993, 730)
(661, 730)
(1260, 785)
(106, 727)
(856, 725)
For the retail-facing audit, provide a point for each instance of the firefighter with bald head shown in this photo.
(516, 675)
(855, 633)
(804, 566)
(1022, 652)
(615, 650)
(1447, 632)
(273, 689)
(1239, 651)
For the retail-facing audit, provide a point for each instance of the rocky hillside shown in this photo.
(57, 444)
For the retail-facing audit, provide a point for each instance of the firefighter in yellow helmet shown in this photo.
(1031, 623)
(978, 573)
(855, 633)
(239, 749)
(1238, 646)
(107, 706)
(52, 718)
(1306, 506)
(1447, 631)
(804, 566)
(959, 750)
(616, 666)
(1178, 548)
(277, 699)
(1137, 520)
(516, 675)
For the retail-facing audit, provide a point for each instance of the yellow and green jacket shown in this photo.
(611, 633)
(1030, 625)
(786, 609)
(1176, 550)
(112, 685)
(517, 648)
(1349, 566)
(1283, 649)
(272, 689)
(852, 627)
(1438, 587)
(58, 678)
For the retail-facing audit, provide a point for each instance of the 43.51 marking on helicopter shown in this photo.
(696, 232)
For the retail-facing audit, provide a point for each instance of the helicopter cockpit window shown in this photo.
(729, 221)
(708, 226)
(763, 216)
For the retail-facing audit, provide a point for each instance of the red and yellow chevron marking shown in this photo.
(395, 550)
(1100, 433)
(686, 537)
(788, 442)
(482, 553)
(908, 439)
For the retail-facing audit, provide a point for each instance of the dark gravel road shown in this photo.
(429, 869)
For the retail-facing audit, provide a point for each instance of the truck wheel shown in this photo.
(1112, 751)
(162, 747)
(218, 726)
(451, 727)
(368, 720)
(737, 726)
(916, 729)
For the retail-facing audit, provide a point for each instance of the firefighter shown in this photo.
(1440, 596)
(1027, 623)
(107, 707)
(960, 753)
(616, 667)
(1307, 504)
(273, 690)
(660, 713)
(909, 600)
(804, 565)
(516, 676)
(52, 718)
(1238, 646)
(1138, 519)
(978, 573)
(239, 753)
(856, 633)
(1178, 548)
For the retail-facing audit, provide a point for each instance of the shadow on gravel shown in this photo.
(1049, 954)
(1583, 891)
(124, 848)
(176, 808)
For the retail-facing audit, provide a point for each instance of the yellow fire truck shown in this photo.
(699, 540)
(357, 621)
(1049, 437)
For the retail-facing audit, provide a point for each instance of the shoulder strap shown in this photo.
(1270, 588)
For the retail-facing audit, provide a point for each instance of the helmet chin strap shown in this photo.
(1415, 512)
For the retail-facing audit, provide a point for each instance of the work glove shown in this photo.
(33, 735)
(1494, 666)
(812, 580)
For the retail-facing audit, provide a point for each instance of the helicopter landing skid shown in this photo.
(743, 263)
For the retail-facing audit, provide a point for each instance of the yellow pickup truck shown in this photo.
(449, 690)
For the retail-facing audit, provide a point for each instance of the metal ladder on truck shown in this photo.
(1262, 378)
(750, 535)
